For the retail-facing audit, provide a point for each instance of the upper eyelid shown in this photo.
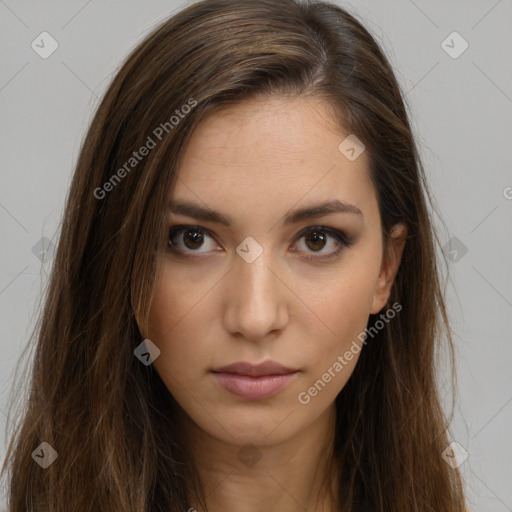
(182, 227)
(329, 230)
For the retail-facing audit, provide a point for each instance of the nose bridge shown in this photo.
(255, 303)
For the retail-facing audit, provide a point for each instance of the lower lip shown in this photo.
(254, 388)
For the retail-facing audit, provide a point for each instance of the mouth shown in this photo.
(254, 382)
(253, 388)
(265, 368)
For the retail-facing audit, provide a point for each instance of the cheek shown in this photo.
(342, 305)
(344, 309)
(179, 317)
(179, 294)
(349, 311)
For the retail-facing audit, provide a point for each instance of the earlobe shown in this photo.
(389, 267)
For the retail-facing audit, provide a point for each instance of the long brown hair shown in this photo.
(109, 417)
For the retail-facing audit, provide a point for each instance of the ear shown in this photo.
(389, 267)
(141, 327)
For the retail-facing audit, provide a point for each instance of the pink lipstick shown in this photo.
(254, 382)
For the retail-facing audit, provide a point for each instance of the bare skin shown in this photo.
(255, 164)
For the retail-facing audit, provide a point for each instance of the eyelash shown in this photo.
(343, 240)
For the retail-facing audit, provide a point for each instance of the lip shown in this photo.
(254, 382)
(253, 388)
(258, 370)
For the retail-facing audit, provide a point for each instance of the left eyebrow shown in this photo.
(320, 210)
(207, 214)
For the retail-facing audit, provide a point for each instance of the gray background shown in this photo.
(462, 112)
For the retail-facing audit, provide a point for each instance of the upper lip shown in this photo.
(265, 368)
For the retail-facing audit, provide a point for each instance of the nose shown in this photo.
(254, 300)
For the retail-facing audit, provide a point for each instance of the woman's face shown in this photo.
(256, 282)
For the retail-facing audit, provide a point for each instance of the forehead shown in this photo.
(269, 154)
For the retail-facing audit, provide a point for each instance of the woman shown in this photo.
(245, 304)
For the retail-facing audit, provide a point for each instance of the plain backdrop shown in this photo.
(461, 108)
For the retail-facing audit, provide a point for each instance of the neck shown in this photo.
(289, 475)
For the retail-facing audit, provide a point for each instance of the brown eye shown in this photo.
(318, 238)
(315, 240)
(188, 239)
(192, 239)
